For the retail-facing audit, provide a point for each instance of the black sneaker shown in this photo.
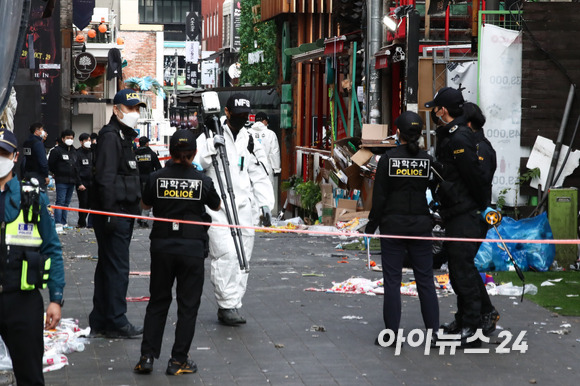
(127, 331)
(177, 368)
(489, 321)
(145, 365)
(452, 327)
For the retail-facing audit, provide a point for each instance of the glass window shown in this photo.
(163, 11)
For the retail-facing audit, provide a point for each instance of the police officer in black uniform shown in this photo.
(35, 164)
(179, 191)
(400, 208)
(85, 169)
(488, 163)
(462, 194)
(147, 162)
(117, 189)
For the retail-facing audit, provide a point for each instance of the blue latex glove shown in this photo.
(197, 166)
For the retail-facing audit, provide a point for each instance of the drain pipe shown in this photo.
(375, 41)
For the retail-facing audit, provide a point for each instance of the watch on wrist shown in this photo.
(59, 302)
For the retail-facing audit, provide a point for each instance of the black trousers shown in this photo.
(111, 274)
(84, 202)
(393, 252)
(472, 297)
(189, 273)
(21, 328)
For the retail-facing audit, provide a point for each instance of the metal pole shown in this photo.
(412, 81)
(375, 39)
(563, 124)
(175, 78)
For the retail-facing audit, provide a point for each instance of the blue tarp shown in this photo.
(539, 257)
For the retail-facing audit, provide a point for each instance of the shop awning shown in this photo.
(334, 45)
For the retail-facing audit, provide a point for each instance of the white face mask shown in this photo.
(42, 133)
(6, 165)
(130, 119)
(68, 142)
(87, 144)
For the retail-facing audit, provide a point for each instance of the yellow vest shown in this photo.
(21, 234)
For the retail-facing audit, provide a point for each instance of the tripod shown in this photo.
(236, 232)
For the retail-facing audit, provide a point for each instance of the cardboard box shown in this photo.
(361, 157)
(327, 215)
(343, 207)
(355, 180)
(326, 192)
(352, 215)
(374, 132)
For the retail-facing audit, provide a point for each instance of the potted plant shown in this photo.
(82, 88)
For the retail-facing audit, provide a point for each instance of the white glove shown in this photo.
(210, 146)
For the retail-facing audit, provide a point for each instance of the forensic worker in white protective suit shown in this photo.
(269, 141)
(253, 195)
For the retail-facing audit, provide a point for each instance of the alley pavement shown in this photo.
(297, 337)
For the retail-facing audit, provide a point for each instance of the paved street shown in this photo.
(281, 343)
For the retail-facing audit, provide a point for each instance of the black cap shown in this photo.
(182, 139)
(262, 116)
(143, 141)
(8, 140)
(238, 104)
(447, 97)
(128, 97)
(409, 124)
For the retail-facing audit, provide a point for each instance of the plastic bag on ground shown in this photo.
(493, 257)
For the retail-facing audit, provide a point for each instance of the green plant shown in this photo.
(522, 179)
(310, 195)
(93, 82)
(291, 182)
(81, 87)
(257, 37)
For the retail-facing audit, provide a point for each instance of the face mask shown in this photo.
(6, 165)
(68, 142)
(42, 133)
(237, 121)
(87, 144)
(130, 119)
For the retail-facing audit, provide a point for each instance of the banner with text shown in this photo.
(500, 100)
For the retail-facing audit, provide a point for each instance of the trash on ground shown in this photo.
(566, 325)
(137, 299)
(313, 274)
(559, 332)
(352, 317)
(317, 328)
(65, 339)
(509, 289)
(546, 283)
(137, 273)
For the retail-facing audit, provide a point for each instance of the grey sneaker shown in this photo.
(230, 317)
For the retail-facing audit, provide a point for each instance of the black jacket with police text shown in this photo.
(487, 161)
(399, 193)
(62, 162)
(116, 185)
(147, 162)
(462, 187)
(85, 165)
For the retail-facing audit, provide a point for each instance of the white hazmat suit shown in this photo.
(252, 189)
(269, 141)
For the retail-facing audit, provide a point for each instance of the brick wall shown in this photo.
(141, 54)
